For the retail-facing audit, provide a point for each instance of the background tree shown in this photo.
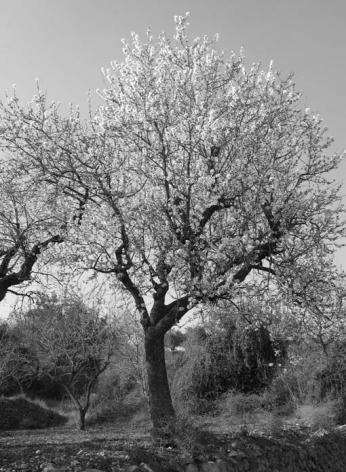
(74, 346)
(319, 293)
(199, 172)
(33, 216)
(29, 224)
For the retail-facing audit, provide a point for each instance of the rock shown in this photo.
(92, 470)
(122, 455)
(178, 467)
(236, 454)
(49, 467)
(209, 467)
(146, 467)
(133, 468)
(223, 466)
(191, 468)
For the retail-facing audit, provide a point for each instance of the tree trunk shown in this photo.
(82, 413)
(160, 402)
(5, 283)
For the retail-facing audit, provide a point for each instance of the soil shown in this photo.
(120, 448)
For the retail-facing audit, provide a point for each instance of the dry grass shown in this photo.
(255, 413)
(320, 416)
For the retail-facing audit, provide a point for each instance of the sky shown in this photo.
(64, 43)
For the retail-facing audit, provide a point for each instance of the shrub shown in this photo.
(333, 376)
(117, 396)
(20, 413)
(110, 410)
(339, 410)
(319, 416)
(239, 410)
(282, 394)
(45, 387)
(298, 381)
(253, 359)
(240, 359)
(240, 404)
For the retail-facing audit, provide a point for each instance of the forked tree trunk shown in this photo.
(81, 410)
(160, 402)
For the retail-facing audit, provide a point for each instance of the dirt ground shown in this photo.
(120, 448)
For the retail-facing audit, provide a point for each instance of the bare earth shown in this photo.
(115, 449)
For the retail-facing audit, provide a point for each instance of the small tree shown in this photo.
(74, 346)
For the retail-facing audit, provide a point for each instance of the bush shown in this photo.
(46, 388)
(241, 404)
(319, 416)
(253, 359)
(188, 387)
(299, 380)
(19, 413)
(339, 410)
(110, 410)
(239, 411)
(333, 376)
(282, 394)
(117, 396)
(230, 358)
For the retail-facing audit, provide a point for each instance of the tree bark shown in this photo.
(160, 401)
(82, 413)
(6, 282)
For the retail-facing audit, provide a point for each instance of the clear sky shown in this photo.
(65, 43)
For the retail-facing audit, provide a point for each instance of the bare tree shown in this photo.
(74, 346)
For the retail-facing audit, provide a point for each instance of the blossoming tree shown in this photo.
(199, 173)
(29, 225)
(33, 215)
(317, 297)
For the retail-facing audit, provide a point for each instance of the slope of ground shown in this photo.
(19, 413)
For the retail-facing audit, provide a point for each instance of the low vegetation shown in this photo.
(238, 381)
(21, 413)
(236, 371)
